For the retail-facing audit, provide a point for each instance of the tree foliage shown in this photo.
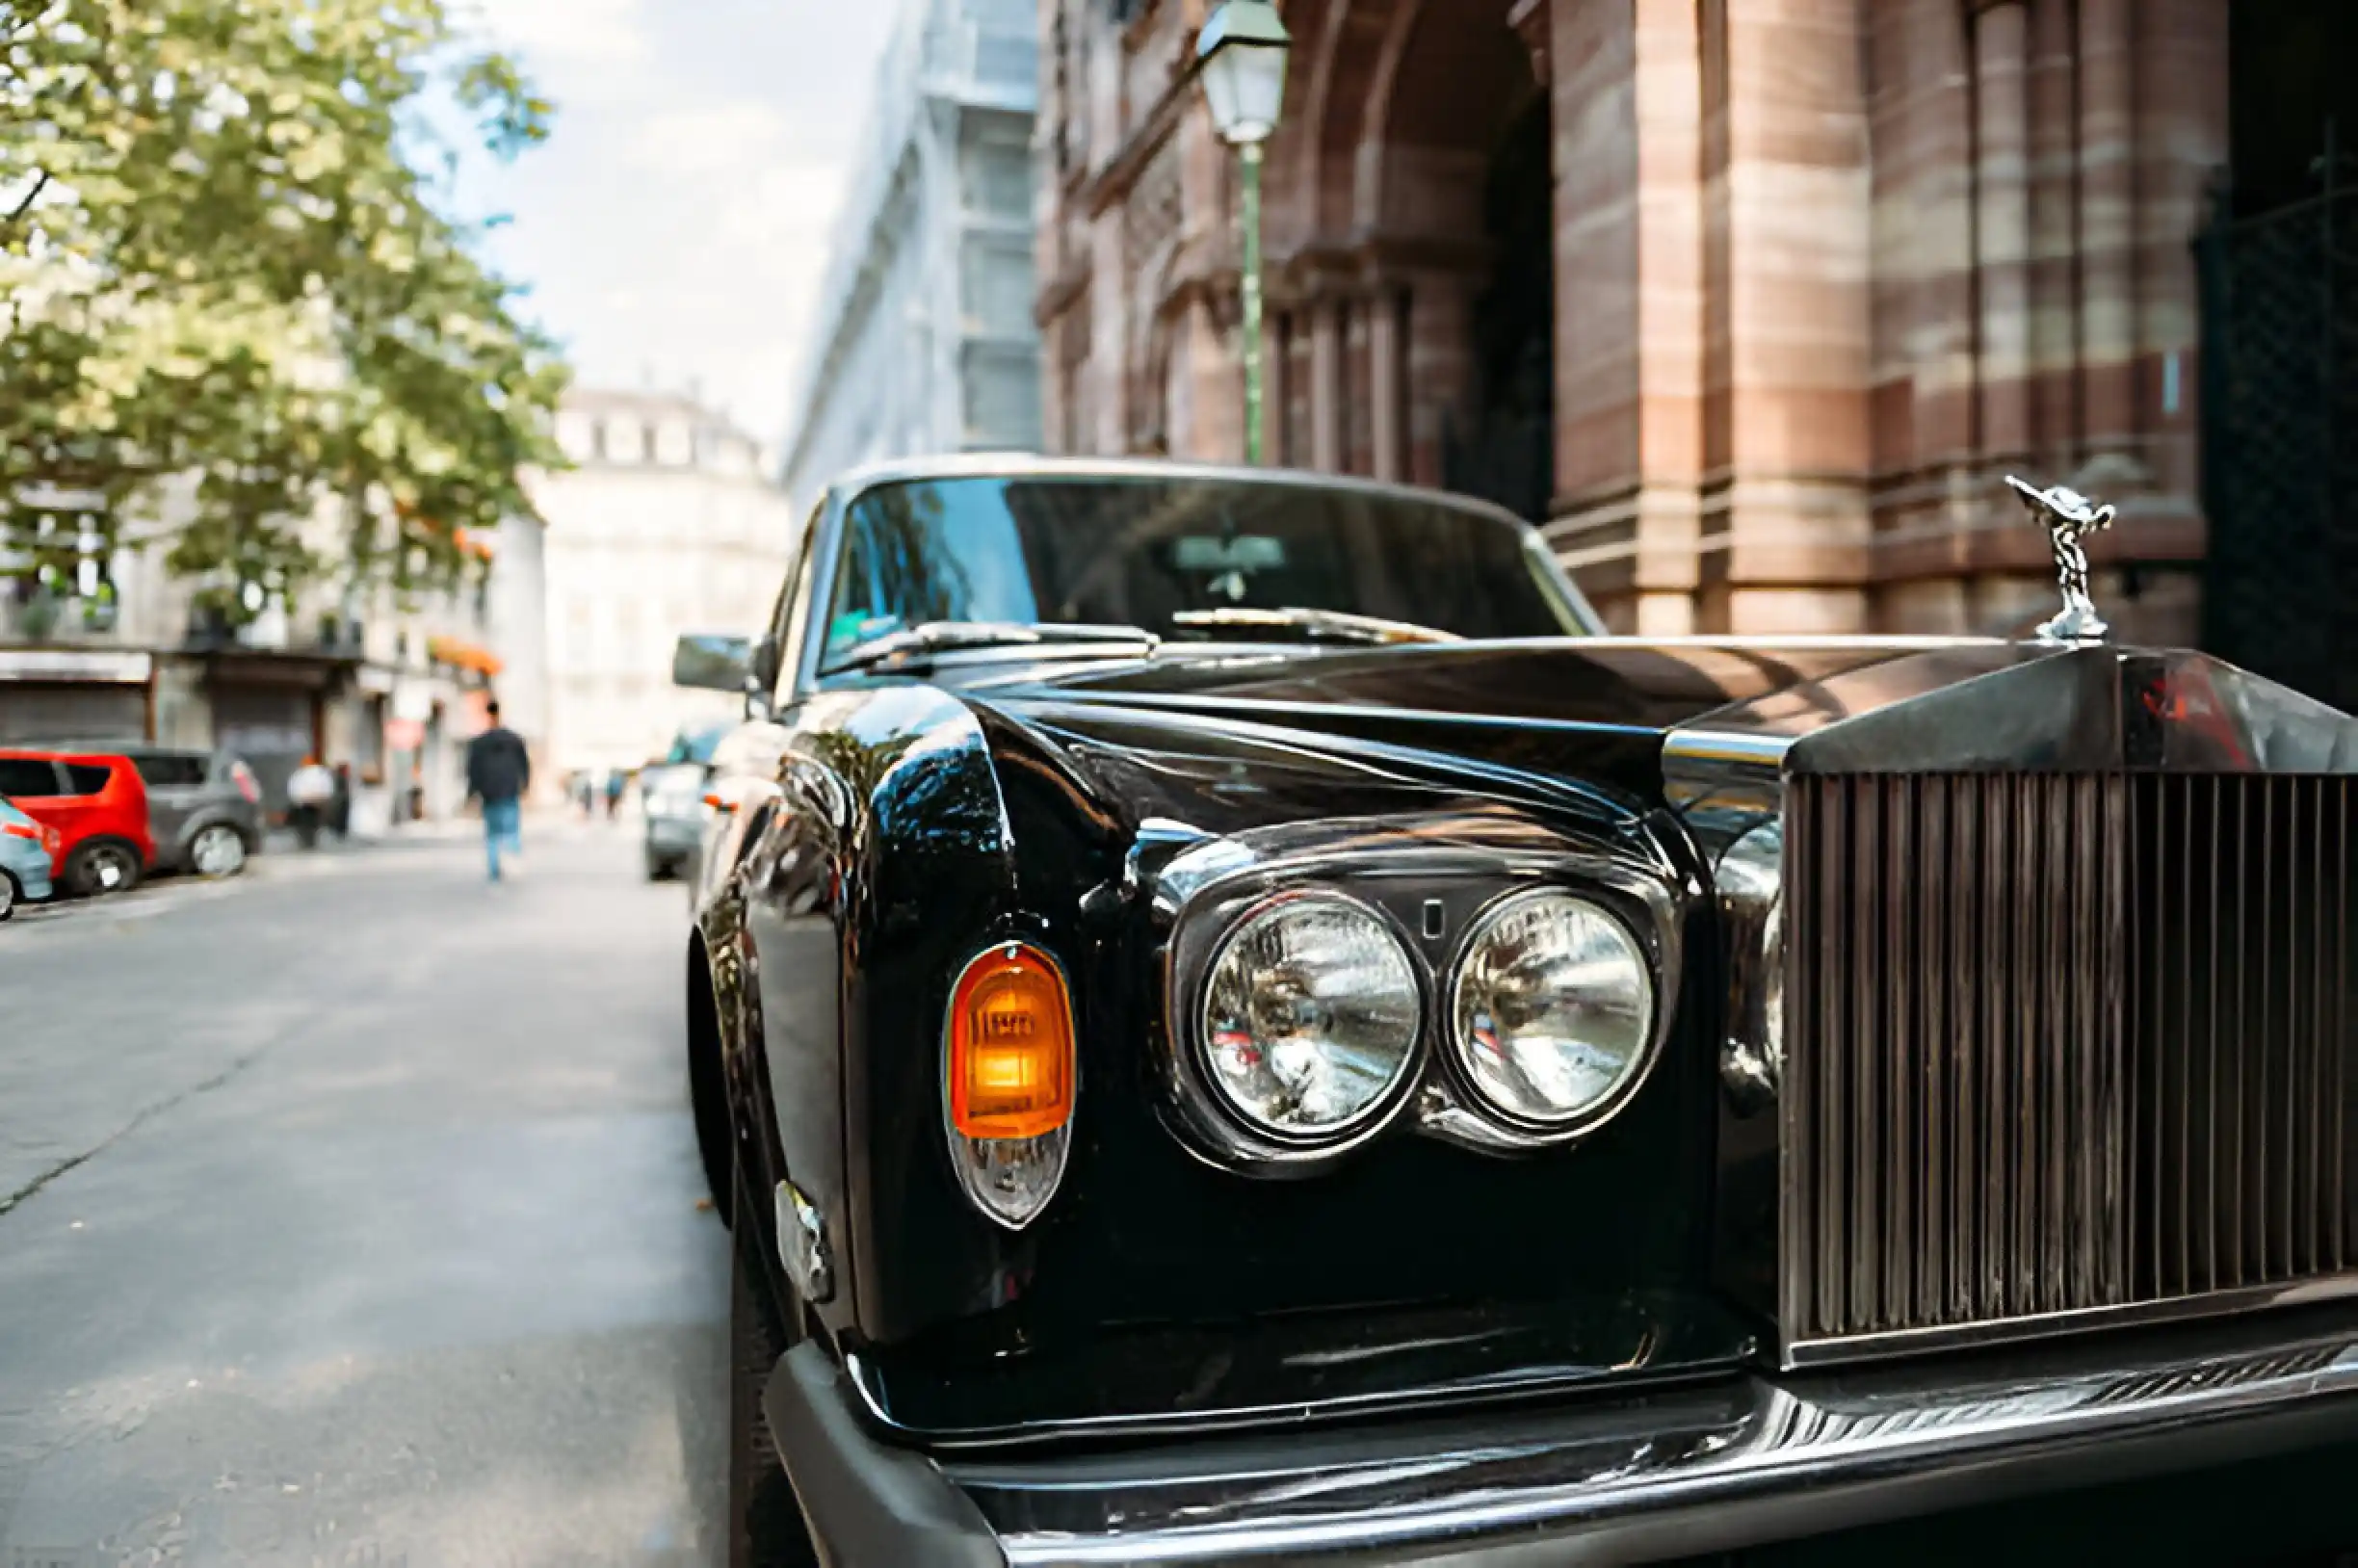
(225, 270)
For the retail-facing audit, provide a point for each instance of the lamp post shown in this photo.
(1241, 58)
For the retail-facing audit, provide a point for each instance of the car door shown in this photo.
(175, 791)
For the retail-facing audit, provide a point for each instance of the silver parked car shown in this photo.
(673, 795)
(204, 808)
(25, 850)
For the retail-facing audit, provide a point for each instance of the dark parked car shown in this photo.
(1228, 1026)
(203, 807)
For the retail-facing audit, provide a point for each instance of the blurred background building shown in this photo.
(1751, 303)
(113, 647)
(924, 338)
(666, 524)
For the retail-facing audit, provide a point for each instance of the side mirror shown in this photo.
(707, 663)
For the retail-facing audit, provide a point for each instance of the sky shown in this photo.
(673, 230)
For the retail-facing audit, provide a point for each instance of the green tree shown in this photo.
(224, 264)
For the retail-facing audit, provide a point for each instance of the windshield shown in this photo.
(696, 746)
(1141, 552)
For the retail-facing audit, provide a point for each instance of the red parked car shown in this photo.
(98, 806)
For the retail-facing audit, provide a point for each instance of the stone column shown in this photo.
(1276, 371)
(1326, 384)
(1439, 330)
(1628, 316)
(1358, 384)
(2107, 226)
(1784, 520)
(2054, 301)
(1386, 382)
(1106, 428)
(2001, 228)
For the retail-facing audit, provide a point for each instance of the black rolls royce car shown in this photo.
(1229, 1023)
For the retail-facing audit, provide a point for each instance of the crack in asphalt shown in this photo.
(145, 1116)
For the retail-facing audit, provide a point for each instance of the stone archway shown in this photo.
(1409, 288)
(1457, 183)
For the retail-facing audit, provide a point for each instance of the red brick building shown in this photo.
(1750, 303)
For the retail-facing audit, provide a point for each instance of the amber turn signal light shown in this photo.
(1010, 1046)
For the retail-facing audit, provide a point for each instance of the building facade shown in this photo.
(1749, 304)
(113, 647)
(665, 525)
(924, 340)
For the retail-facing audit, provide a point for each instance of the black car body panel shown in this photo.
(888, 824)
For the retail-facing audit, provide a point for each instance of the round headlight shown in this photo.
(1551, 1008)
(1310, 1016)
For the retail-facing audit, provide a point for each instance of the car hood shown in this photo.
(1155, 737)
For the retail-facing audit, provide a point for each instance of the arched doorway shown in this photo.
(1502, 445)
(1465, 162)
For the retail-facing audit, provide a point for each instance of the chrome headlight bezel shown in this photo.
(1633, 1077)
(1404, 1078)
(1200, 888)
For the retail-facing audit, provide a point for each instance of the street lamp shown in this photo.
(1241, 59)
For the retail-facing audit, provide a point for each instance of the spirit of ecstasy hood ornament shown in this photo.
(2068, 515)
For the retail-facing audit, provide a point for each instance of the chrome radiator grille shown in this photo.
(2058, 1043)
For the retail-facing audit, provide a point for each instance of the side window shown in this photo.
(794, 611)
(852, 610)
(26, 778)
(171, 772)
(88, 777)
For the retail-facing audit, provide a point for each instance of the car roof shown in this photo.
(1034, 465)
(65, 753)
(80, 746)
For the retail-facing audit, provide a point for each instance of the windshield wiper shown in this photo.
(918, 644)
(1318, 625)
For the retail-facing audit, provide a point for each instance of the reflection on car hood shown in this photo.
(1600, 709)
(1590, 682)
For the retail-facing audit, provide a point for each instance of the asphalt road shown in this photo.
(349, 1216)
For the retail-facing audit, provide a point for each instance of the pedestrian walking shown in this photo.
(308, 793)
(614, 793)
(498, 771)
(340, 803)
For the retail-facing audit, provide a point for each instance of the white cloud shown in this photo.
(721, 138)
(675, 227)
(605, 31)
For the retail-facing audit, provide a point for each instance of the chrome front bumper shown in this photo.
(1667, 1473)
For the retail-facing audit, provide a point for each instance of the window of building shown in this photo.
(996, 281)
(999, 180)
